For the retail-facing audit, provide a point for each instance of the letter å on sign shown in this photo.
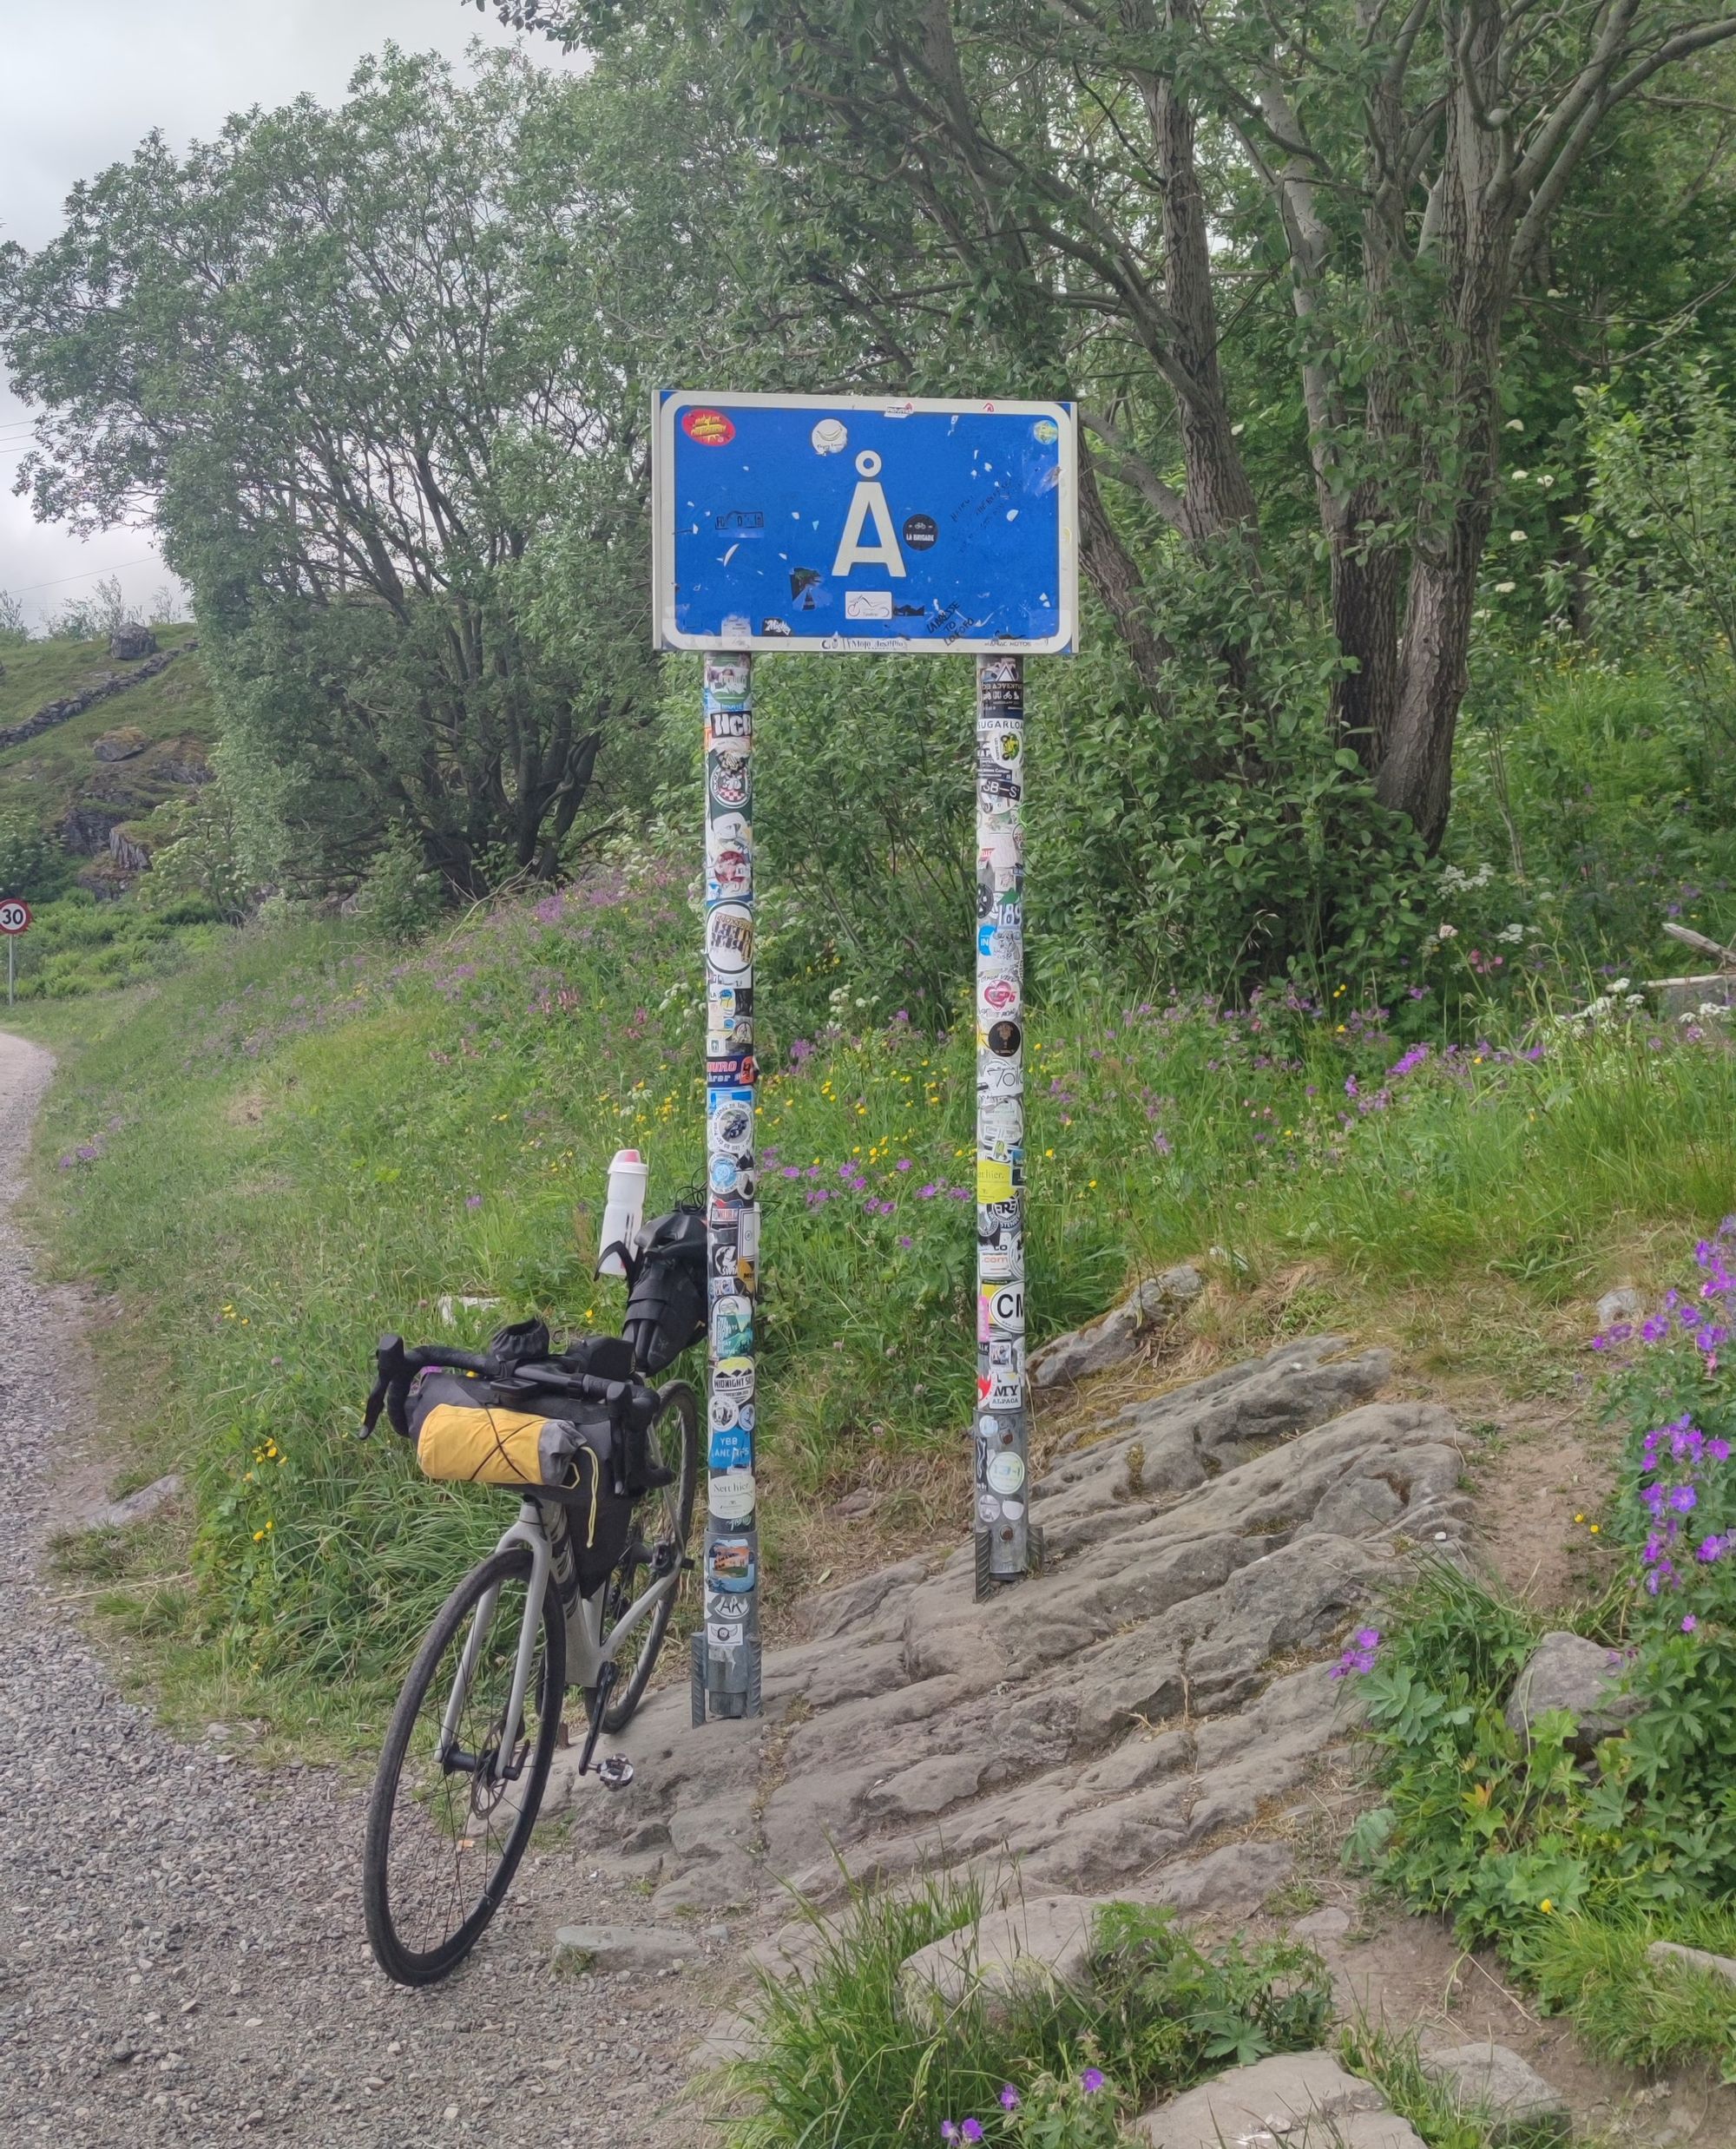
(859, 525)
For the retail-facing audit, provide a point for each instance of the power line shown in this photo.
(89, 574)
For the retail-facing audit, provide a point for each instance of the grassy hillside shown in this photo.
(302, 1140)
(93, 931)
(51, 771)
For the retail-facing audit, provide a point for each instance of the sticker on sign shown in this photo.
(849, 523)
(15, 916)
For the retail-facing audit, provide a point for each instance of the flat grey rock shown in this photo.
(1300, 2100)
(1623, 1304)
(1583, 1678)
(137, 1506)
(1495, 2082)
(1237, 1878)
(630, 1947)
(1024, 1948)
(1664, 1953)
(1120, 1335)
(1328, 1924)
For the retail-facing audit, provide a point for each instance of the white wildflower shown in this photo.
(1447, 932)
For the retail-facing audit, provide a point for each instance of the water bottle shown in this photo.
(623, 1210)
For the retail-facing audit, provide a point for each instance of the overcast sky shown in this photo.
(80, 85)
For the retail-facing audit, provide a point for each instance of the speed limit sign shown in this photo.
(15, 917)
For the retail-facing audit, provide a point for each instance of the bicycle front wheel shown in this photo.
(666, 1517)
(452, 1812)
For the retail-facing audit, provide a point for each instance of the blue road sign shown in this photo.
(850, 523)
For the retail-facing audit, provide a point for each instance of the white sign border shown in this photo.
(670, 402)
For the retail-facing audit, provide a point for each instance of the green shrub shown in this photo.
(1570, 1871)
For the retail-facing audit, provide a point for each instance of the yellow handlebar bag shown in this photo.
(461, 1442)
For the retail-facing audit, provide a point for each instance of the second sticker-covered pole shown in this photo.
(726, 1661)
(1006, 1545)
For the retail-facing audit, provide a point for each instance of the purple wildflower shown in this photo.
(1092, 2081)
(949, 2131)
(1689, 1623)
(473, 1201)
(972, 2130)
(1010, 2098)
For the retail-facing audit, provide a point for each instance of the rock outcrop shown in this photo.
(1294, 2101)
(1566, 1671)
(1141, 1318)
(1101, 1724)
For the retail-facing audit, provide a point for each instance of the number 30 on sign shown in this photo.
(15, 917)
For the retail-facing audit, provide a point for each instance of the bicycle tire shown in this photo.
(678, 1400)
(403, 1963)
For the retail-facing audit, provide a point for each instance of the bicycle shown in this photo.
(467, 1750)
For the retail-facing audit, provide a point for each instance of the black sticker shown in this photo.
(920, 531)
(1005, 1039)
(802, 579)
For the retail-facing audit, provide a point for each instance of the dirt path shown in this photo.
(181, 1953)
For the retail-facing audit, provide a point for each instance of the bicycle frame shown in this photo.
(588, 1648)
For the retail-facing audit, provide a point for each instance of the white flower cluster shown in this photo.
(1618, 999)
(1708, 1011)
(1455, 881)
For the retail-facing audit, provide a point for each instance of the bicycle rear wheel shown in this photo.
(665, 1518)
(450, 1820)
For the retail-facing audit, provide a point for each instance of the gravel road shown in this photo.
(181, 1950)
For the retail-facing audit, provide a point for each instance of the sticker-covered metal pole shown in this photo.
(726, 1663)
(1007, 1545)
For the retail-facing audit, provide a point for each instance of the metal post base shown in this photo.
(983, 1545)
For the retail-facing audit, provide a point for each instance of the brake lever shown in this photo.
(389, 1389)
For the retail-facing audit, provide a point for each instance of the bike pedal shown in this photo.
(614, 1772)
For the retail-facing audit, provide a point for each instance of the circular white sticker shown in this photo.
(988, 1427)
(730, 1495)
(988, 1508)
(1006, 1471)
(1012, 1509)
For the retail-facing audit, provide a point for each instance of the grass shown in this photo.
(305, 1139)
(843, 2060)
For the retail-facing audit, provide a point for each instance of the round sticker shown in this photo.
(1006, 1471)
(1000, 993)
(920, 531)
(1005, 1039)
(725, 1412)
(830, 437)
(730, 1495)
(730, 1176)
(1045, 430)
(729, 778)
(1012, 1509)
(729, 939)
(729, 871)
(988, 1508)
(709, 429)
(988, 1427)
